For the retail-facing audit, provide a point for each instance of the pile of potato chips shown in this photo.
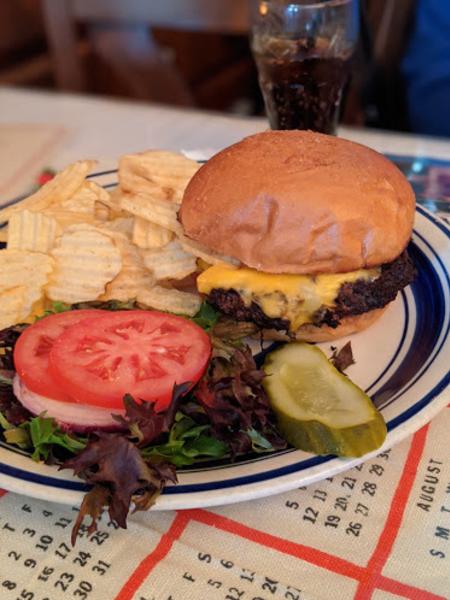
(73, 241)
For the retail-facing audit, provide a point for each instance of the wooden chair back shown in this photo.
(125, 17)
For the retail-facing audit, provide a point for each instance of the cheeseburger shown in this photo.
(319, 225)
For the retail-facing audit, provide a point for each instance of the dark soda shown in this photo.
(302, 89)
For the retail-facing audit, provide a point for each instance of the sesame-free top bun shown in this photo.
(300, 202)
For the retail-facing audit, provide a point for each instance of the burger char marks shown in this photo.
(230, 303)
(362, 296)
(353, 298)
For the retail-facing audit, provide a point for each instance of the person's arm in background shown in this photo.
(426, 69)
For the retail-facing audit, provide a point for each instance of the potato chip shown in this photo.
(86, 198)
(161, 175)
(123, 225)
(102, 195)
(86, 260)
(39, 309)
(201, 251)
(11, 306)
(170, 300)
(113, 202)
(30, 270)
(67, 218)
(133, 275)
(160, 212)
(102, 212)
(149, 235)
(83, 201)
(4, 234)
(60, 188)
(31, 231)
(170, 262)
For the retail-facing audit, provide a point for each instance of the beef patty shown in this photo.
(353, 298)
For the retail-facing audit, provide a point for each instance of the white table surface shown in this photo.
(107, 128)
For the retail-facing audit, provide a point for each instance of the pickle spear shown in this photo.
(319, 409)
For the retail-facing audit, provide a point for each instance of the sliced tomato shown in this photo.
(142, 353)
(32, 350)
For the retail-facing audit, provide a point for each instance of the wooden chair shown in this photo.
(23, 60)
(120, 33)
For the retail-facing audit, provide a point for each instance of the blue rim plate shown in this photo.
(401, 361)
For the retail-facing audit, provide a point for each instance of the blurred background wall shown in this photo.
(195, 53)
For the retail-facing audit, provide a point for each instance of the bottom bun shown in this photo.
(348, 325)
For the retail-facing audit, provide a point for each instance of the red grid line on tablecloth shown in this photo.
(34, 160)
(319, 558)
(395, 517)
(403, 589)
(145, 567)
(368, 580)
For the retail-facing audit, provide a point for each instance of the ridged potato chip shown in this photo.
(170, 262)
(60, 188)
(123, 225)
(31, 231)
(74, 241)
(170, 300)
(162, 175)
(160, 212)
(149, 235)
(102, 212)
(113, 202)
(86, 261)
(4, 234)
(11, 306)
(30, 270)
(86, 198)
(67, 218)
(201, 251)
(133, 275)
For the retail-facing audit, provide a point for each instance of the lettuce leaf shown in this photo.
(206, 317)
(45, 433)
(57, 307)
(119, 475)
(188, 443)
(236, 404)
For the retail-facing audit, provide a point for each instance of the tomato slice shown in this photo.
(142, 353)
(32, 350)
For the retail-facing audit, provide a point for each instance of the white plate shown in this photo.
(402, 361)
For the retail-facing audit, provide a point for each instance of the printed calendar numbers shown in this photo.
(340, 505)
(247, 582)
(38, 546)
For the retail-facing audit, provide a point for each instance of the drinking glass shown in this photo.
(303, 53)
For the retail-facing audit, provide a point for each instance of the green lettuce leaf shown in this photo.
(188, 443)
(206, 317)
(57, 307)
(45, 433)
(5, 380)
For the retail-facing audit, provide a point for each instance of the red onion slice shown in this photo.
(69, 415)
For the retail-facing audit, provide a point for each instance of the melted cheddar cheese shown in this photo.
(292, 297)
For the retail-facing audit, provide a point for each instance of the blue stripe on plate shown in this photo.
(399, 347)
(101, 173)
(431, 328)
(43, 479)
(430, 315)
(274, 473)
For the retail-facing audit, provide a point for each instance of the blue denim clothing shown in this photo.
(426, 69)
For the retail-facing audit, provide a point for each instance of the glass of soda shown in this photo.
(303, 52)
